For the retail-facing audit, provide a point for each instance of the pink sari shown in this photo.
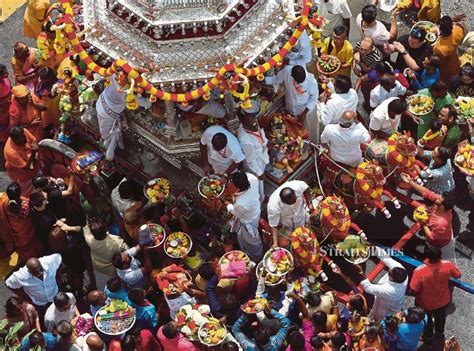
(5, 98)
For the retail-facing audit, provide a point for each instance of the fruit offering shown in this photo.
(420, 104)
(212, 333)
(190, 317)
(404, 4)
(464, 159)
(432, 31)
(465, 107)
(157, 190)
(153, 234)
(229, 260)
(178, 245)
(254, 305)
(303, 285)
(115, 318)
(211, 186)
(278, 261)
(328, 64)
(354, 249)
(270, 279)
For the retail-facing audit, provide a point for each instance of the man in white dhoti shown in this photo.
(254, 145)
(301, 54)
(220, 152)
(286, 207)
(301, 96)
(246, 214)
(110, 108)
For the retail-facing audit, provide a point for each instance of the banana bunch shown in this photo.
(465, 158)
(158, 189)
(213, 333)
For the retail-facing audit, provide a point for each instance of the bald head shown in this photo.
(348, 116)
(34, 267)
(96, 298)
(366, 45)
(94, 342)
(288, 196)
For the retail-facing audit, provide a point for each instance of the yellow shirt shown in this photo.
(446, 48)
(345, 55)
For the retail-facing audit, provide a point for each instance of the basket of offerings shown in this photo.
(151, 235)
(212, 333)
(211, 186)
(432, 31)
(254, 305)
(354, 249)
(190, 318)
(234, 264)
(269, 278)
(420, 104)
(328, 64)
(178, 245)
(278, 261)
(465, 106)
(157, 190)
(464, 159)
(115, 318)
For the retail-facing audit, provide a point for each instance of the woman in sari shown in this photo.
(17, 310)
(5, 98)
(15, 213)
(44, 91)
(23, 65)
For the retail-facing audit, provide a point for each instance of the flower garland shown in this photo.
(393, 153)
(361, 179)
(196, 93)
(326, 215)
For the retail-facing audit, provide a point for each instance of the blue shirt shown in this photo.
(51, 342)
(276, 341)
(424, 80)
(409, 334)
(147, 318)
(122, 294)
(441, 179)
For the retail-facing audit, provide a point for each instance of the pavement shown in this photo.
(460, 319)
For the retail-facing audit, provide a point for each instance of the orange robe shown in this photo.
(19, 227)
(24, 115)
(446, 49)
(35, 15)
(16, 161)
(20, 69)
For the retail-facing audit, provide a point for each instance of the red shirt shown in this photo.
(430, 282)
(439, 222)
(147, 343)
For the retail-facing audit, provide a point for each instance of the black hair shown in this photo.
(342, 84)
(397, 106)
(313, 299)
(61, 300)
(206, 271)
(296, 340)
(449, 200)
(383, 67)
(117, 260)
(317, 342)
(64, 329)
(369, 13)
(340, 30)
(320, 318)
(414, 315)
(16, 131)
(357, 303)
(115, 284)
(285, 193)
(36, 338)
(136, 295)
(37, 198)
(170, 331)
(433, 253)
(262, 335)
(387, 79)
(446, 26)
(339, 341)
(439, 86)
(398, 274)
(435, 125)
(12, 304)
(3, 68)
(435, 61)
(240, 180)
(128, 343)
(14, 194)
(391, 322)
(219, 141)
(421, 33)
(452, 112)
(298, 73)
(125, 190)
(40, 181)
(372, 330)
(444, 154)
(228, 303)
(230, 346)
(98, 229)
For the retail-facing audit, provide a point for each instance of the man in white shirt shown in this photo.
(286, 207)
(301, 54)
(337, 12)
(37, 279)
(254, 145)
(343, 99)
(63, 308)
(369, 26)
(246, 214)
(388, 87)
(385, 119)
(301, 95)
(344, 139)
(130, 270)
(390, 290)
(220, 152)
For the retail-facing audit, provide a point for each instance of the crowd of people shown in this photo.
(73, 260)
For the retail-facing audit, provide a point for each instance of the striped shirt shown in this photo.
(371, 59)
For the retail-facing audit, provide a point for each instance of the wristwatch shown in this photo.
(404, 53)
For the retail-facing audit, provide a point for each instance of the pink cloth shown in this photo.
(308, 332)
(233, 269)
(179, 343)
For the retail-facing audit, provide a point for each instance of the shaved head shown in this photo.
(288, 196)
(35, 268)
(94, 342)
(348, 116)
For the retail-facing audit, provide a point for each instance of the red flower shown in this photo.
(181, 319)
(192, 325)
